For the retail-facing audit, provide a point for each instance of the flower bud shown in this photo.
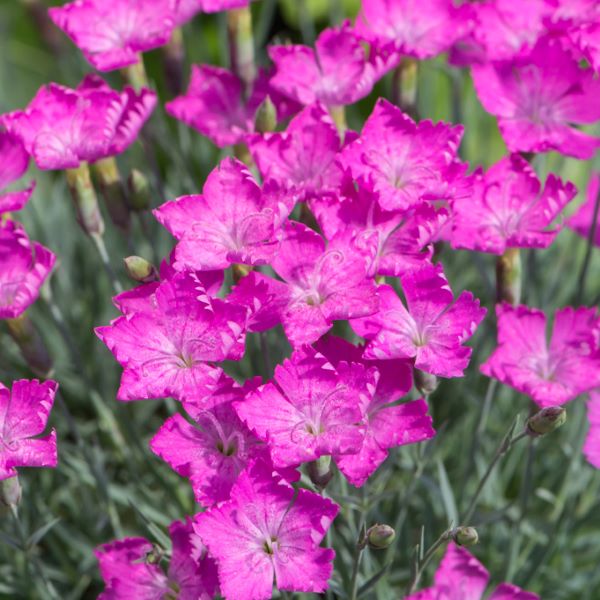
(380, 536)
(139, 191)
(10, 492)
(546, 420)
(508, 277)
(465, 536)
(320, 472)
(85, 200)
(32, 346)
(265, 118)
(139, 269)
(109, 180)
(426, 383)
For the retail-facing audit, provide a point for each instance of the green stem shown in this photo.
(422, 565)
(103, 253)
(361, 543)
(588, 252)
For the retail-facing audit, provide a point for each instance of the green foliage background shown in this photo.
(539, 517)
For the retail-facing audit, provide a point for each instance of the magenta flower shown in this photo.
(24, 412)
(538, 99)
(461, 575)
(24, 266)
(591, 448)
(302, 158)
(130, 574)
(550, 373)
(311, 409)
(581, 221)
(214, 449)
(388, 425)
(170, 350)
(62, 127)
(112, 34)
(339, 71)
(406, 162)
(322, 283)
(13, 163)
(233, 221)
(431, 329)
(404, 238)
(191, 7)
(509, 209)
(420, 29)
(268, 533)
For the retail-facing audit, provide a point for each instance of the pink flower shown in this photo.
(509, 209)
(62, 127)
(537, 99)
(215, 448)
(302, 158)
(24, 266)
(581, 221)
(211, 6)
(112, 34)
(13, 163)
(267, 532)
(130, 574)
(170, 350)
(24, 412)
(388, 425)
(461, 575)
(591, 448)
(551, 373)
(420, 29)
(337, 72)
(233, 221)
(322, 283)
(404, 238)
(407, 163)
(431, 329)
(214, 104)
(310, 410)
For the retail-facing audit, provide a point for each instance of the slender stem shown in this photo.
(588, 252)
(361, 543)
(103, 253)
(422, 565)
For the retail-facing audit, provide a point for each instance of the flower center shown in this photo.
(269, 545)
(226, 448)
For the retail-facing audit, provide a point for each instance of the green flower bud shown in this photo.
(10, 492)
(139, 269)
(546, 421)
(426, 383)
(265, 118)
(380, 536)
(139, 191)
(465, 536)
(320, 472)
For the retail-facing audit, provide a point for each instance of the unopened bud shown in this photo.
(32, 346)
(546, 421)
(380, 536)
(465, 536)
(426, 383)
(265, 118)
(10, 492)
(320, 472)
(141, 270)
(111, 186)
(85, 200)
(139, 191)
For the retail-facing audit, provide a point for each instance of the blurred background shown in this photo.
(539, 517)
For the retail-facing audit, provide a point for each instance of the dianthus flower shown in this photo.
(301, 159)
(24, 266)
(186, 9)
(537, 99)
(551, 373)
(267, 533)
(13, 163)
(170, 349)
(131, 572)
(112, 34)
(311, 409)
(213, 449)
(461, 575)
(404, 237)
(582, 221)
(431, 329)
(509, 209)
(420, 29)
(387, 425)
(62, 127)
(323, 282)
(233, 221)
(24, 412)
(339, 71)
(407, 162)
(591, 448)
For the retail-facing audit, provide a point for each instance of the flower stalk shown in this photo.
(509, 277)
